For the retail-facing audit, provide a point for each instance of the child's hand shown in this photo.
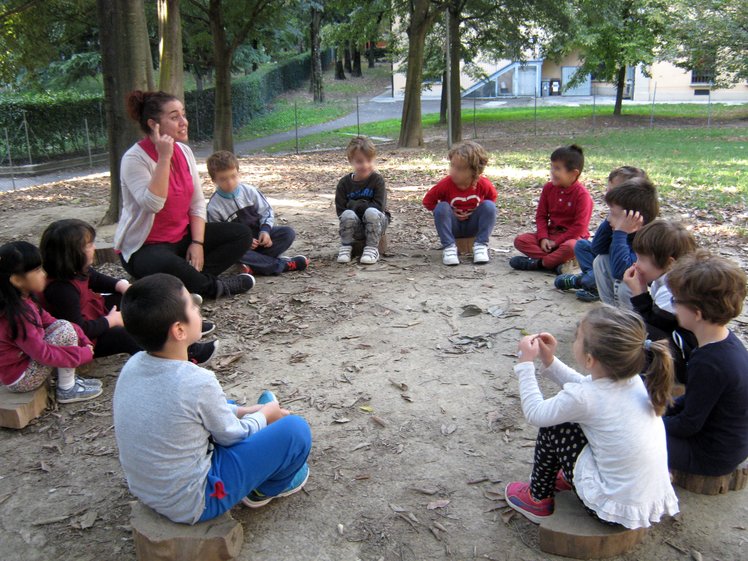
(461, 215)
(247, 410)
(528, 348)
(635, 280)
(547, 348)
(547, 245)
(273, 412)
(122, 286)
(264, 240)
(114, 318)
(631, 222)
(255, 243)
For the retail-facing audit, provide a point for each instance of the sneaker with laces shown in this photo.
(298, 263)
(522, 263)
(344, 253)
(207, 328)
(369, 256)
(480, 253)
(202, 353)
(238, 284)
(568, 282)
(562, 484)
(449, 255)
(256, 499)
(519, 498)
(246, 269)
(587, 295)
(83, 389)
(266, 397)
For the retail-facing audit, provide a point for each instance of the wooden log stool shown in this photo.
(358, 246)
(572, 532)
(712, 485)
(18, 409)
(465, 245)
(159, 539)
(105, 254)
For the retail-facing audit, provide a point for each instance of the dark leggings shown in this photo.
(225, 243)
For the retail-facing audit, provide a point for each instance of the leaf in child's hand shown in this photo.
(524, 332)
(471, 310)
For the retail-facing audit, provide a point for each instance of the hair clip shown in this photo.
(647, 345)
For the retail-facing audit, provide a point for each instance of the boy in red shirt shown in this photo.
(562, 218)
(464, 203)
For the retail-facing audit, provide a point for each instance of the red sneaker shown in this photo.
(298, 263)
(519, 498)
(246, 269)
(562, 484)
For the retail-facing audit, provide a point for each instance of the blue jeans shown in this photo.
(266, 460)
(479, 225)
(265, 260)
(585, 257)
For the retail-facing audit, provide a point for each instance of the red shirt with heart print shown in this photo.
(462, 201)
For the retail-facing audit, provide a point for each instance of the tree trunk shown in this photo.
(620, 83)
(125, 59)
(316, 84)
(171, 61)
(223, 127)
(256, 47)
(370, 54)
(443, 100)
(455, 54)
(421, 18)
(356, 63)
(347, 58)
(339, 72)
(199, 81)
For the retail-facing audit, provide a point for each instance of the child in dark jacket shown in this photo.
(707, 427)
(76, 292)
(32, 343)
(562, 217)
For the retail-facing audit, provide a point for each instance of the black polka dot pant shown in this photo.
(556, 448)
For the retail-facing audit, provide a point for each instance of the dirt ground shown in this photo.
(411, 396)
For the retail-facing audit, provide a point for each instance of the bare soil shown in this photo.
(412, 400)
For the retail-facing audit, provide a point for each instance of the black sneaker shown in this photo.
(238, 284)
(298, 263)
(208, 328)
(522, 263)
(202, 353)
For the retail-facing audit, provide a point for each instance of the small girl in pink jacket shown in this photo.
(33, 343)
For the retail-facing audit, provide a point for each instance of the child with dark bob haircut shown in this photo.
(707, 427)
(203, 454)
(78, 293)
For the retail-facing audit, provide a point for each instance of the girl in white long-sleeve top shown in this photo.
(602, 435)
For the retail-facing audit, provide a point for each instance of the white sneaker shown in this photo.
(369, 256)
(480, 253)
(449, 255)
(344, 253)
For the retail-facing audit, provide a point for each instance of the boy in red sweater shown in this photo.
(562, 218)
(464, 203)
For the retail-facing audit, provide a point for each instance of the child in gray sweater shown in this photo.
(186, 451)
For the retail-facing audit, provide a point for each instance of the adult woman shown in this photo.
(162, 228)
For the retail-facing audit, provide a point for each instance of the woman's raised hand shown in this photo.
(164, 143)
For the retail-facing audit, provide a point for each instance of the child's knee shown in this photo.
(373, 216)
(488, 207)
(348, 216)
(62, 333)
(442, 209)
(299, 431)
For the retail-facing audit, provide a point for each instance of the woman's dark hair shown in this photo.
(62, 247)
(150, 307)
(16, 258)
(142, 106)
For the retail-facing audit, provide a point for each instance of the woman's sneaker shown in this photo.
(568, 282)
(480, 253)
(519, 498)
(369, 256)
(344, 253)
(202, 353)
(207, 328)
(449, 255)
(298, 263)
(83, 389)
(256, 499)
(238, 284)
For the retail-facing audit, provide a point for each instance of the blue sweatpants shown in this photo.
(266, 460)
(585, 258)
(265, 260)
(480, 224)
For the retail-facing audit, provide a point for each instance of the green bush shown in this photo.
(56, 121)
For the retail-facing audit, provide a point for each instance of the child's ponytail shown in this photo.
(660, 375)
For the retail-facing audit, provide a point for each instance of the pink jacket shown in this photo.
(16, 354)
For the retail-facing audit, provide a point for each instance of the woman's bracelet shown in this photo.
(197, 242)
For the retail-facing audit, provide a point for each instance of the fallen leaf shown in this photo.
(507, 515)
(448, 429)
(495, 311)
(341, 420)
(360, 446)
(398, 508)
(426, 490)
(441, 503)
(44, 467)
(471, 310)
(366, 408)
(406, 397)
(87, 520)
(402, 386)
(378, 420)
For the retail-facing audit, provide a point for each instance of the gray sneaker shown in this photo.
(81, 391)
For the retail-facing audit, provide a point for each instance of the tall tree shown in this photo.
(171, 59)
(126, 60)
(316, 84)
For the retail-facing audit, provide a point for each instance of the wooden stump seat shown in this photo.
(712, 485)
(358, 246)
(465, 245)
(572, 532)
(159, 539)
(18, 409)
